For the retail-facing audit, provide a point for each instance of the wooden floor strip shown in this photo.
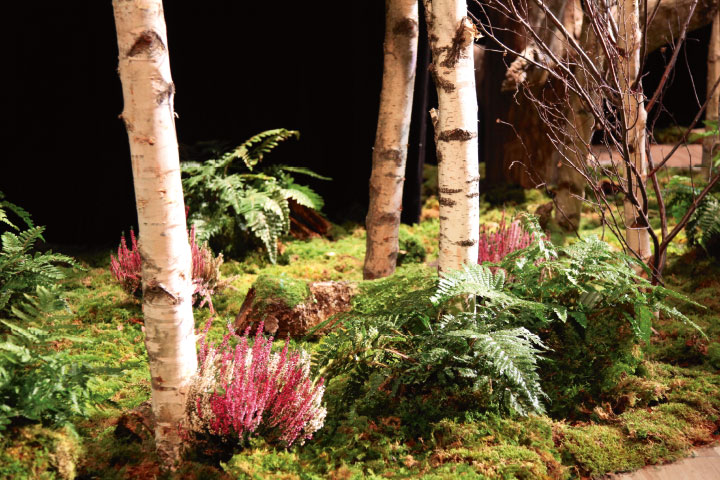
(704, 464)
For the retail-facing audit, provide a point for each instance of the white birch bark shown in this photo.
(629, 41)
(451, 35)
(711, 145)
(149, 118)
(391, 139)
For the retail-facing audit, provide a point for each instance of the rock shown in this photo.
(284, 313)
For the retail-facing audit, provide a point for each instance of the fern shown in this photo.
(435, 344)
(228, 201)
(18, 211)
(39, 382)
(703, 227)
(484, 329)
(22, 271)
(252, 151)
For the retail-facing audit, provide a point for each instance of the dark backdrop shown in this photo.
(239, 68)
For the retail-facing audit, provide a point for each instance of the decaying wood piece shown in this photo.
(325, 300)
(307, 223)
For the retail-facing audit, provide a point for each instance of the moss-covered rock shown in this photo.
(289, 306)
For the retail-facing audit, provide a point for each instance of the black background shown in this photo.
(239, 68)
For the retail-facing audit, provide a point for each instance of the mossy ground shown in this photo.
(669, 405)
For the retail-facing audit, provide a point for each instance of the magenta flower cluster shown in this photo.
(249, 389)
(127, 268)
(507, 238)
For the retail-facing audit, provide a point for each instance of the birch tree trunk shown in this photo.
(711, 145)
(391, 139)
(148, 93)
(451, 35)
(635, 117)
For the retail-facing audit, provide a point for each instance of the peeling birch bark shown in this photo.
(391, 140)
(628, 45)
(148, 113)
(711, 145)
(451, 35)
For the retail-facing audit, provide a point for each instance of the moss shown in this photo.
(35, 452)
(500, 447)
(666, 432)
(283, 289)
(594, 450)
(269, 464)
(585, 365)
(651, 412)
(411, 248)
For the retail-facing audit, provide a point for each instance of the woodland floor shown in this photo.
(681, 367)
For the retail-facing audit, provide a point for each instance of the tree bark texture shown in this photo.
(539, 22)
(391, 139)
(521, 152)
(711, 145)
(635, 120)
(573, 152)
(666, 26)
(505, 155)
(148, 113)
(451, 35)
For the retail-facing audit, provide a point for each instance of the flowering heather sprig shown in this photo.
(245, 389)
(127, 268)
(494, 246)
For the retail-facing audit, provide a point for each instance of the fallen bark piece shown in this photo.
(307, 223)
(291, 307)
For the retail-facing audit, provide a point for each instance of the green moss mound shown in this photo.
(35, 452)
(289, 291)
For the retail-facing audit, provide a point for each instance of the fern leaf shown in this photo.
(302, 171)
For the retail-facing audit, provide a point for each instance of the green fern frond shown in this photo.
(17, 210)
(302, 171)
(476, 280)
(252, 151)
(21, 271)
(512, 355)
(227, 204)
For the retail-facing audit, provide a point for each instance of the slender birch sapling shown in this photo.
(149, 117)
(391, 139)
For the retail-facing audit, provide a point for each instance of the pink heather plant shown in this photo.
(494, 246)
(245, 389)
(126, 268)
